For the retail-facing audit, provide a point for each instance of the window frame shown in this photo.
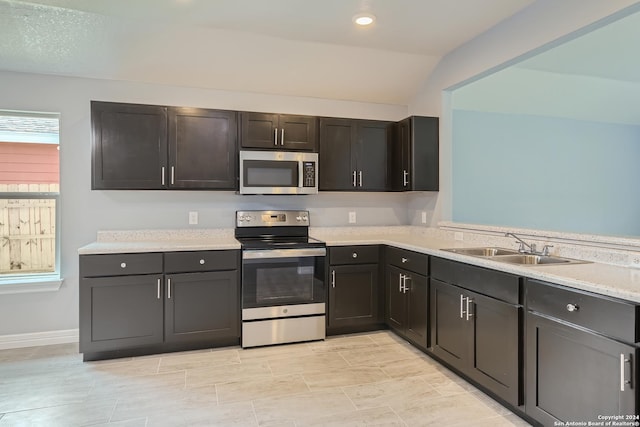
(13, 283)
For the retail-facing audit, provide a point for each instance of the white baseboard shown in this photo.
(38, 338)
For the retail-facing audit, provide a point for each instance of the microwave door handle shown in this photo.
(300, 174)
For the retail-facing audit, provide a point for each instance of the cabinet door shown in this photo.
(400, 172)
(120, 312)
(396, 311)
(336, 139)
(202, 149)
(129, 148)
(353, 295)
(574, 375)
(202, 307)
(417, 309)
(450, 333)
(495, 360)
(424, 136)
(371, 155)
(298, 133)
(259, 130)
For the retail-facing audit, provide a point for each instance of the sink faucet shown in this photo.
(532, 246)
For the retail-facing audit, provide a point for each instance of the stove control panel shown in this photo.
(271, 218)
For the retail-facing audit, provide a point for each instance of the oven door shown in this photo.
(277, 277)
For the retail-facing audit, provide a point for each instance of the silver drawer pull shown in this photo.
(202, 261)
(572, 307)
(623, 381)
(404, 260)
(355, 255)
(123, 265)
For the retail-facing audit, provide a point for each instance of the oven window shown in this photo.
(282, 281)
(270, 173)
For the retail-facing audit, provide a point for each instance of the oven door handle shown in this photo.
(283, 253)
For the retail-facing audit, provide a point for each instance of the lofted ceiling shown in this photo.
(594, 77)
(287, 47)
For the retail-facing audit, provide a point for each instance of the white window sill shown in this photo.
(22, 285)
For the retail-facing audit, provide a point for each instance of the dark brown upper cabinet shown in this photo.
(139, 147)
(415, 154)
(129, 146)
(202, 149)
(353, 155)
(278, 131)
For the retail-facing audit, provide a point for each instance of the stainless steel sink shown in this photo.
(483, 252)
(511, 256)
(527, 259)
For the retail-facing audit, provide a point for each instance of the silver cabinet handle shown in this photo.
(405, 288)
(173, 175)
(469, 313)
(275, 136)
(573, 307)
(623, 361)
(354, 178)
(405, 178)
(404, 260)
(282, 137)
(401, 277)
(461, 306)
(360, 177)
(354, 255)
(168, 288)
(333, 278)
(158, 288)
(162, 174)
(123, 265)
(202, 261)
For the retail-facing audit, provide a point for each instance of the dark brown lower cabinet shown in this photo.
(132, 304)
(576, 375)
(120, 312)
(354, 295)
(201, 307)
(479, 336)
(407, 304)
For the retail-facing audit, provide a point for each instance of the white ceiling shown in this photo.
(610, 52)
(594, 77)
(288, 47)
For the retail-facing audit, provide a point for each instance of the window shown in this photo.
(29, 191)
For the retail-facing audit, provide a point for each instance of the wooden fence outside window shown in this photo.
(28, 228)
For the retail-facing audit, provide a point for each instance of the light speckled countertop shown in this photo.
(606, 279)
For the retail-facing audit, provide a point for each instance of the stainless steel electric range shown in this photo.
(283, 278)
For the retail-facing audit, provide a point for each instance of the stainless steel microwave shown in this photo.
(278, 172)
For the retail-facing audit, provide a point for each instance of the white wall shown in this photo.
(84, 212)
(542, 22)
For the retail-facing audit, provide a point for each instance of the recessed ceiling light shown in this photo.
(364, 19)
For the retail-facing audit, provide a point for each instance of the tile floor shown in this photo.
(367, 379)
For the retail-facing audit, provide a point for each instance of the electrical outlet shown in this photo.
(424, 217)
(193, 218)
(352, 217)
(458, 236)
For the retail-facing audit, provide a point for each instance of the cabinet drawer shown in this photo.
(496, 284)
(120, 264)
(608, 316)
(408, 260)
(177, 262)
(354, 255)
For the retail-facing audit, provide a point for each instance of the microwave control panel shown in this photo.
(308, 174)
